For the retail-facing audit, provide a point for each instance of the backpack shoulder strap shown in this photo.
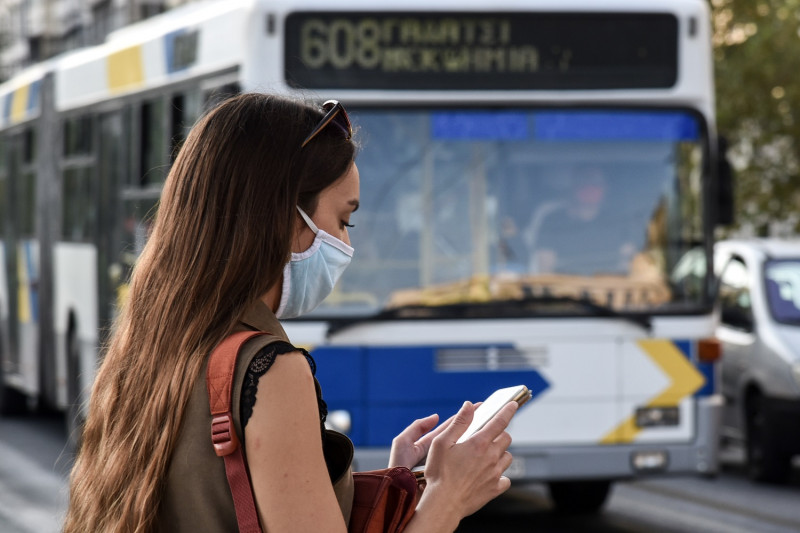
(219, 380)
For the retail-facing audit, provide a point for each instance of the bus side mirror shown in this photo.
(724, 188)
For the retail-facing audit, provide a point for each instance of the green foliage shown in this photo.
(757, 63)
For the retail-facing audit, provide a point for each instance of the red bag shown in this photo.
(384, 500)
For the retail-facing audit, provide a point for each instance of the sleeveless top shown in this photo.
(196, 495)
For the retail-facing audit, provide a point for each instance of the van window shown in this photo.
(782, 280)
(734, 297)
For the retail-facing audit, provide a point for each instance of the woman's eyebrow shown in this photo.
(355, 203)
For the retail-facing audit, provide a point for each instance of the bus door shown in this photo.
(7, 258)
(21, 260)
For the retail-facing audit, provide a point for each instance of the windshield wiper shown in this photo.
(511, 308)
(644, 321)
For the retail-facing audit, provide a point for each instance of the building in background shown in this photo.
(35, 30)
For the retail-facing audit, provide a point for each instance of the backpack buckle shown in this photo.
(223, 435)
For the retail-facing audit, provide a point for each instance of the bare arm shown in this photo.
(293, 491)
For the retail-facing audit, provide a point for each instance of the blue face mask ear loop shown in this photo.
(308, 220)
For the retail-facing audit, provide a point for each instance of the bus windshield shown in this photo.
(495, 206)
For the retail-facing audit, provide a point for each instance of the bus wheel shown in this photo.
(74, 413)
(767, 461)
(579, 497)
(12, 401)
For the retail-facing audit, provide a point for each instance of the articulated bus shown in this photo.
(538, 181)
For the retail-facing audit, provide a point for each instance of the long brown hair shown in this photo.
(221, 238)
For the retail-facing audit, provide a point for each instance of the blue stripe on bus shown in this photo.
(707, 369)
(685, 346)
(180, 49)
(33, 96)
(565, 125)
(479, 125)
(600, 126)
(386, 388)
(5, 105)
(169, 51)
(688, 348)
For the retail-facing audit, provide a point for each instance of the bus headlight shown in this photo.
(339, 420)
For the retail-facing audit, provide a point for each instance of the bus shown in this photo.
(537, 178)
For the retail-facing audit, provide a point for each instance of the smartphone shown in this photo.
(485, 412)
(492, 405)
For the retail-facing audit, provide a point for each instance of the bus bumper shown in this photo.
(622, 461)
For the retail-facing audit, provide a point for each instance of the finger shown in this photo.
(425, 441)
(433, 434)
(422, 426)
(505, 461)
(460, 423)
(417, 429)
(503, 484)
(447, 422)
(503, 441)
(500, 421)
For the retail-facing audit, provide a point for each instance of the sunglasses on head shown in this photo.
(335, 114)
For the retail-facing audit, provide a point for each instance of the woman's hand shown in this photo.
(462, 478)
(411, 446)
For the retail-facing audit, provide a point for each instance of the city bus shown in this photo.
(536, 178)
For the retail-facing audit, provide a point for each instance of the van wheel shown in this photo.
(767, 461)
(74, 414)
(579, 497)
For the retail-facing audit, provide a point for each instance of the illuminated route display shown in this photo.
(474, 51)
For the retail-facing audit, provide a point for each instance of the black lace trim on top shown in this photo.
(258, 367)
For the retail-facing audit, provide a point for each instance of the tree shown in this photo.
(757, 61)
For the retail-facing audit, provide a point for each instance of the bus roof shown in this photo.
(141, 56)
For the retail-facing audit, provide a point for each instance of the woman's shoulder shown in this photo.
(265, 357)
(263, 361)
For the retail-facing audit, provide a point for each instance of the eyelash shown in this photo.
(346, 225)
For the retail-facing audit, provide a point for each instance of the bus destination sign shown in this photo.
(480, 51)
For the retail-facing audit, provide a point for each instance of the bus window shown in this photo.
(77, 136)
(214, 96)
(112, 169)
(79, 211)
(139, 215)
(153, 161)
(483, 205)
(185, 109)
(26, 189)
(78, 193)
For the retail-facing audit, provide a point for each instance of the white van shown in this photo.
(758, 300)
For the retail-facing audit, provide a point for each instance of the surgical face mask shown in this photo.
(309, 277)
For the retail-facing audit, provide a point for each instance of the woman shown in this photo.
(253, 215)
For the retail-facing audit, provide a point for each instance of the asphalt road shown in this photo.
(34, 467)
